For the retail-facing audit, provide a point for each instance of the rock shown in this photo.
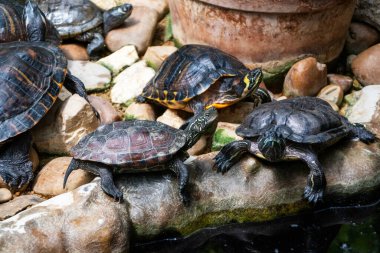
(361, 36)
(49, 181)
(130, 83)
(94, 76)
(75, 52)
(365, 66)
(142, 111)
(333, 105)
(365, 109)
(64, 125)
(368, 11)
(305, 78)
(176, 118)
(332, 93)
(137, 30)
(33, 156)
(105, 4)
(154, 56)
(85, 220)
(345, 82)
(236, 113)
(106, 111)
(160, 6)
(224, 134)
(5, 195)
(120, 59)
(17, 205)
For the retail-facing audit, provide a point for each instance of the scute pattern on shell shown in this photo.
(301, 120)
(190, 71)
(31, 76)
(138, 143)
(71, 17)
(11, 27)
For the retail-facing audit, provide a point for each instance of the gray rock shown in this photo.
(368, 11)
(17, 205)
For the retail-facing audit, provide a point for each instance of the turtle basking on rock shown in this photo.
(17, 23)
(32, 74)
(139, 146)
(197, 77)
(83, 21)
(292, 129)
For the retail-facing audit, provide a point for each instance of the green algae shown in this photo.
(220, 139)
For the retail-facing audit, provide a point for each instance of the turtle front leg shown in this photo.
(180, 169)
(105, 173)
(95, 40)
(16, 169)
(231, 154)
(316, 181)
(76, 86)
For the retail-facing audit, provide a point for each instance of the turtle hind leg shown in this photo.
(76, 86)
(180, 169)
(16, 169)
(231, 154)
(316, 181)
(362, 133)
(105, 173)
(96, 43)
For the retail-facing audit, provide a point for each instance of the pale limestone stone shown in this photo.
(141, 111)
(120, 59)
(5, 195)
(154, 56)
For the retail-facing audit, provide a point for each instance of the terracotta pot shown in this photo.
(267, 33)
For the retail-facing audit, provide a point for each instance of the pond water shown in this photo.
(337, 229)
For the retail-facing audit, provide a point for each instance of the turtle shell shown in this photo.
(71, 17)
(190, 71)
(138, 143)
(302, 120)
(31, 77)
(11, 25)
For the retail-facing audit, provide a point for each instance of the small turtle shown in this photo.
(197, 77)
(31, 77)
(84, 21)
(139, 146)
(292, 129)
(17, 23)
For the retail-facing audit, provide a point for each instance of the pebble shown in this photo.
(345, 82)
(137, 30)
(305, 78)
(332, 93)
(365, 66)
(104, 4)
(107, 112)
(5, 195)
(49, 181)
(94, 76)
(120, 59)
(154, 56)
(75, 52)
(160, 6)
(130, 82)
(141, 111)
(18, 204)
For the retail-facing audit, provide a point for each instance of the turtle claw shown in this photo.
(113, 191)
(313, 196)
(18, 175)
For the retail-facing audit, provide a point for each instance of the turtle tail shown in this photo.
(72, 166)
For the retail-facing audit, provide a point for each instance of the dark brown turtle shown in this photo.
(19, 22)
(84, 21)
(292, 129)
(138, 146)
(31, 77)
(197, 77)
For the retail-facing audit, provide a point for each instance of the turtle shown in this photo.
(83, 21)
(197, 77)
(292, 129)
(32, 74)
(17, 22)
(139, 146)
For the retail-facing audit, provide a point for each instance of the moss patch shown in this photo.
(220, 139)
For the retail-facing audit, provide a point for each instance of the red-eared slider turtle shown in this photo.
(84, 21)
(31, 76)
(19, 22)
(139, 146)
(292, 129)
(198, 77)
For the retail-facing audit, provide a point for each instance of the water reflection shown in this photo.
(344, 229)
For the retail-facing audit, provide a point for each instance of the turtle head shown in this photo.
(201, 123)
(272, 145)
(115, 17)
(251, 81)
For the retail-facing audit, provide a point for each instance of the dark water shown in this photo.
(338, 229)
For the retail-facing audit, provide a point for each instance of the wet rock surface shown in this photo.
(364, 66)
(17, 205)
